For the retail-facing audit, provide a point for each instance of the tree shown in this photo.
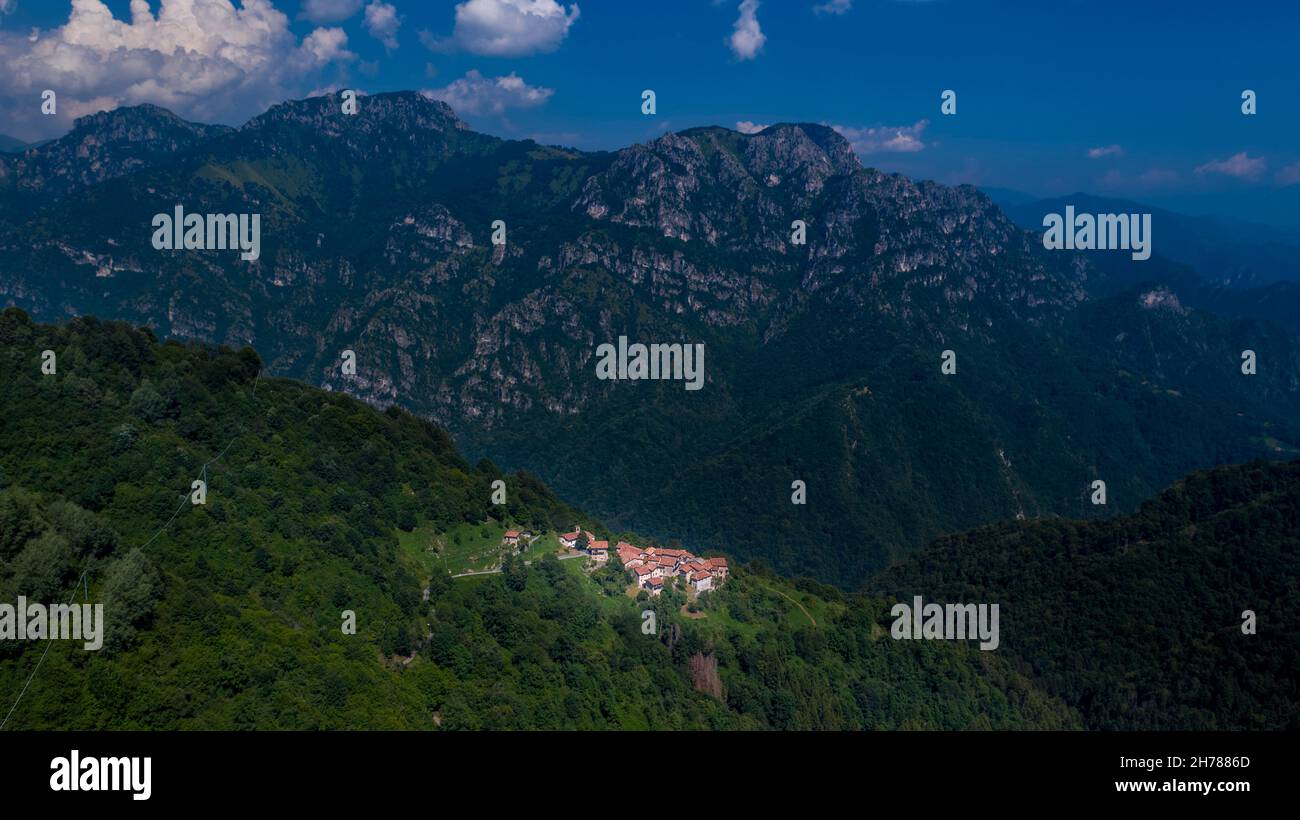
(19, 521)
(147, 402)
(131, 588)
(40, 569)
(515, 573)
(87, 534)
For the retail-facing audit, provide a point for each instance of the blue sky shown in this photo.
(1137, 99)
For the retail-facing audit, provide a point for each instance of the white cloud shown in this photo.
(333, 88)
(1105, 151)
(1238, 165)
(885, 138)
(476, 94)
(747, 127)
(382, 22)
(7, 7)
(747, 38)
(506, 28)
(1289, 175)
(203, 59)
(326, 45)
(329, 11)
(834, 7)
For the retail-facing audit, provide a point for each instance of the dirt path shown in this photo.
(793, 601)
(569, 557)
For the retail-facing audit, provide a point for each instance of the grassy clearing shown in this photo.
(470, 547)
(463, 548)
(420, 547)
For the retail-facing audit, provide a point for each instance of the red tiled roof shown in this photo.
(642, 570)
(598, 545)
(701, 575)
(512, 533)
(656, 582)
(570, 536)
(717, 562)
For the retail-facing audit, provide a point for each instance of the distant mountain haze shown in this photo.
(1223, 251)
(1234, 269)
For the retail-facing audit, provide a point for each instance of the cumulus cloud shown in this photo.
(475, 94)
(1238, 165)
(7, 7)
(329, 11)
(203, 59)
(382, 22)
(506, 28)
(834, 7)
(885, 138)
(1105, 151)
(325, 45)
(747, 37)
(747, 127)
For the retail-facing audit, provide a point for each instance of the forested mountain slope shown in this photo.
(228, 614)
(1136, 621)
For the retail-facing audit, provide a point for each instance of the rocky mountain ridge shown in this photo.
(823, 357)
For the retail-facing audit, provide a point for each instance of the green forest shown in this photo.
(228, 614)
(1137, 622)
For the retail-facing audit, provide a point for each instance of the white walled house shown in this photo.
(663, 566)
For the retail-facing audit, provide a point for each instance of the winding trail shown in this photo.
(793, 601)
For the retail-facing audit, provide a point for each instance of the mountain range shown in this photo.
(823, 358)
(1224, 252)
(1233, 268)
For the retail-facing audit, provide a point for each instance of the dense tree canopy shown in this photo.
(229, 614)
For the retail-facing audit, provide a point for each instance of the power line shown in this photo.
(84, 576)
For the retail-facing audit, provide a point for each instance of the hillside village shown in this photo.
(651, 567)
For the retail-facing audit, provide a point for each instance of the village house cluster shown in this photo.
(655, 566)
(513, 537)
